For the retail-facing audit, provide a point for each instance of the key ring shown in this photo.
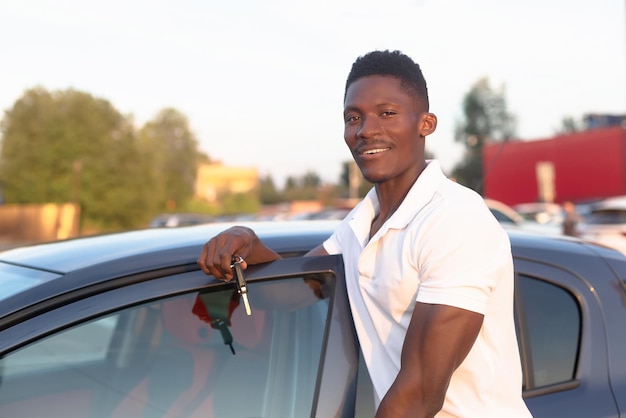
(241, 260)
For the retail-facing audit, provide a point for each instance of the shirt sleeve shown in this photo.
(331, 245)
(461, 257)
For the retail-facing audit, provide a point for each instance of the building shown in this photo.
(580, 167)
(216, 179)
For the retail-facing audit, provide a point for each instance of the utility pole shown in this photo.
(354, 180)
(77, 167)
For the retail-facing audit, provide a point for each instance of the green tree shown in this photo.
(66, 146)
(269, 194)
(171, 150)
(570, 125)
(485, 118)
(239, 203)
(306, 187)
(349, 168)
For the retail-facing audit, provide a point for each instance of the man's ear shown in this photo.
(428, 124)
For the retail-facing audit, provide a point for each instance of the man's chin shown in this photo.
(375, 177)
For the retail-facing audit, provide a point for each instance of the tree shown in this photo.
(360, 186)
(570, 125)
(66, 146)
(172, 151)
(306, 187)
(268, 193)
(485, 118)
(239, 203)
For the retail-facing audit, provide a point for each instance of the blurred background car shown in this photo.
(542, 213)
(511, 218)
(606, 223)
(504, 213)
(171, 220)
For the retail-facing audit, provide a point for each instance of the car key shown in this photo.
(240, 281)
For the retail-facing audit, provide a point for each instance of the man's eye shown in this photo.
(388, 113)
(351, 118)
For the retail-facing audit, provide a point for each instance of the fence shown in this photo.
(39, 222)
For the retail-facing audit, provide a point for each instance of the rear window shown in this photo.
(16, 279)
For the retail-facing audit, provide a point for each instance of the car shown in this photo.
(606, 223)
(172, 220)
(541, 212)
(127, 325)
(511, 218)
(504, 213)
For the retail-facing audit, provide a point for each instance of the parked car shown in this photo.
(606, 223)
(126, 325)
(504, 213)
(511, 218)
(542, 213)
(172, 220)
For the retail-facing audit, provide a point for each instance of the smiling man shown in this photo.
(429, 270)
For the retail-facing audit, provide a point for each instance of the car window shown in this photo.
(73, 347)
(607, 217)
(186, 354)
(549, 326)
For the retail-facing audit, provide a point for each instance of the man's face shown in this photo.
(383, 124)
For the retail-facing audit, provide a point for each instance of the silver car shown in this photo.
(606, 223)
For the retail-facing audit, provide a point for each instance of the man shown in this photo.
(429, 270)
(571, 220)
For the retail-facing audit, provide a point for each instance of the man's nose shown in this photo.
(369, 127)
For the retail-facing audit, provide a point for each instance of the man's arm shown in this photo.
(238, 241)
(319, 250)
(437, 341)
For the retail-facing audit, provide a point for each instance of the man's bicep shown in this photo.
(442, 334)
(438, 339)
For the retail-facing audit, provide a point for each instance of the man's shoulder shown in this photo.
(454, 197)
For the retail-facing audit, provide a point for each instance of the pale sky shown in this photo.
(262, 82)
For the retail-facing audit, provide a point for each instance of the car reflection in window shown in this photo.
(173, 357)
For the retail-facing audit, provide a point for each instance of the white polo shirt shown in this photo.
(441, 246)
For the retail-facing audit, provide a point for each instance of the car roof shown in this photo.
(66, 256)
(614, 203)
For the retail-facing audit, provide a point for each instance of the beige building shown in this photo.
(215, 179)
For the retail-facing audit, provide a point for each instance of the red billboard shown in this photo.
(580, 167)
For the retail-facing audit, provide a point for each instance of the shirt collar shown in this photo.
(418, 196)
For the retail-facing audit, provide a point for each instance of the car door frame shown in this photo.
(339, 359)
(592, 377)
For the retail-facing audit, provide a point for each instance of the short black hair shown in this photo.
(391, 63)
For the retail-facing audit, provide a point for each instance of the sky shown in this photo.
(262, 82)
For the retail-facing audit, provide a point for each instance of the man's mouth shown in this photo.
(373, 151)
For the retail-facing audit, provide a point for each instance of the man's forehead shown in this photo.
(376, 87)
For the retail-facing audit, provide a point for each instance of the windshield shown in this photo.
(16, 279)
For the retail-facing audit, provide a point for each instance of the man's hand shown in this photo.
(217, 254)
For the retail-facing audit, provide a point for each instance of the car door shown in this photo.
(561, 333)
(563, 345)
(176, 342)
